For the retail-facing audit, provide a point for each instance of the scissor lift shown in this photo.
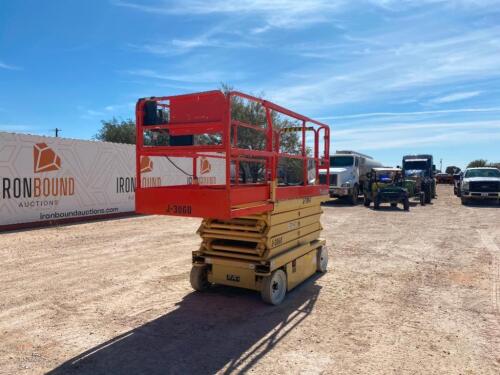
(261, 202)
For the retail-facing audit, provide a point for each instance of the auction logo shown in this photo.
(205, 166)
(128, 184)
(146, 164)
(44, 189)
(45, 159)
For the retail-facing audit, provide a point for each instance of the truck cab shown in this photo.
(348, 171)
(421, 168)
(480, 183)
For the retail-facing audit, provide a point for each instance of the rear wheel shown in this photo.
(199, 278)
(394, 204)
(322, 259)
(376, 204)
(422, 198)
(427, 194)
(406, 204)
(274, 288)
(366, 202)
(464, 200)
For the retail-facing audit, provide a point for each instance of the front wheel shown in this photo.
(394, 205)
(199, 278)
(274, 288)
(353, 199)
(464, 200)
(376, 204)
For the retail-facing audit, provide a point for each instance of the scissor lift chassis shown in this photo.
(246, 252)
(261, 226)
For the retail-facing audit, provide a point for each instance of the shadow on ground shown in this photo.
(28, 227)
(339, 202)
(223, 329)
(482, 203)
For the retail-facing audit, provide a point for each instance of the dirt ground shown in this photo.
(405, 293)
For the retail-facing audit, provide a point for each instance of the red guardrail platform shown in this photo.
(263, 153)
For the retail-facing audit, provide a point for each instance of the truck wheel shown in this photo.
(394, 204)
(199, 278)
(427, 195)
(422, 198)
(322, 259)
(406, 204)
(353, 199)
(464, 200)
(366, 202)
(376, 204)
(274, 288)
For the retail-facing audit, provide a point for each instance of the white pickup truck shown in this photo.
(348, 171)
(480, 183)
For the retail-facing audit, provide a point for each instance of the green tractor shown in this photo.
(413, 183)
(386, 185)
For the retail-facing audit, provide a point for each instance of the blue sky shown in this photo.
(391, 77)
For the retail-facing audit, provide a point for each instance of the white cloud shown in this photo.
(416, 113)
(395, 63)
(8, 67)
(416, 135)
(200, 77)
(275, 13)
(455, 97)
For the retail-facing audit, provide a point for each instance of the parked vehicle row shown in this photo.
(353, 173)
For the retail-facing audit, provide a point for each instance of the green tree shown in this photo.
(117, 131)
(478, 163)
(452, 169)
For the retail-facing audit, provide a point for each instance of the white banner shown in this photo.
(47, 179)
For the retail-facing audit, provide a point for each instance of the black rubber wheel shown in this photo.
(406, 204)
(422, 198)
(366, 202)
(394, 204)
(353, 199)
(199, 278)
(376, 204)
(274, 288)
(464, 201)
(427, 194)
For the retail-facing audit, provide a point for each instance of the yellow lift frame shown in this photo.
(271, 252)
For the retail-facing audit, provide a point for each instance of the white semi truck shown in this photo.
(348, 171)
